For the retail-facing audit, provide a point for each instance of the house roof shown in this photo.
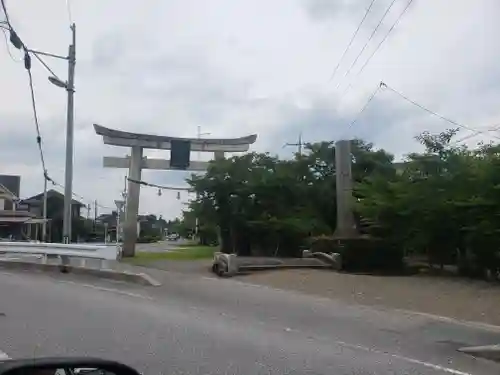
(10, 213)
(4, 190)
(22, 219)
(50, 194)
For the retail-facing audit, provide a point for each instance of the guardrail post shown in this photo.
(64, 260)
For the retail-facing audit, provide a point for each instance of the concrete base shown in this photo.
(225, 264)
(135, 278)
(334, 260)
(491, 352)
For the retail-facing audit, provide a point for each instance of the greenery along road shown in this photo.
(180, 253)
(441, 204)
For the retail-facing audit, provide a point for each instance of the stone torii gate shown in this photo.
(137, 162)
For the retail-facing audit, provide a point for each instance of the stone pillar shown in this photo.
(130, 227)
(223, 232)
(346, 227)
(119, 220)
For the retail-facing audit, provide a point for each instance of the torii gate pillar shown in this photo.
(136, 162)
(130, 228)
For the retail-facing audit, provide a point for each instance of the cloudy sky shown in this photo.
(238, 67)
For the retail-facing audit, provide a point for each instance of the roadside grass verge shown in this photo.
(182, 253)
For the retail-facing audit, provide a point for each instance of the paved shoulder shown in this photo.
(209, 326)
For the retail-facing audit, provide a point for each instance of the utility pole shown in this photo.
(69, 86)
(199, 137)
(68, 183)
(346, 226)
(44, 225)
(124, 196)
(299, 144)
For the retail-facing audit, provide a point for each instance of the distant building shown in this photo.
(55, 205)
(16, 222)
(55, 213)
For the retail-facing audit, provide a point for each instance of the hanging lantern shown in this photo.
(159, 192)
(178, 195)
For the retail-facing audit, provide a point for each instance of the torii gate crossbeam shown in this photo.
(136, 162)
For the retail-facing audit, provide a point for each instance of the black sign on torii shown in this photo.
(180, 154)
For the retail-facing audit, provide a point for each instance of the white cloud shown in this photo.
(237, 67)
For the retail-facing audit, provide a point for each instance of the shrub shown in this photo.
(365, 254)
(362, 254)
(148, 239)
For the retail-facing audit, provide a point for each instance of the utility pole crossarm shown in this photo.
(299, 144)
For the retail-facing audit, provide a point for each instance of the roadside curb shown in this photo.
(491, 352)
(136, 278)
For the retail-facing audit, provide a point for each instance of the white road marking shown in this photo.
(406, 359)
(447, 319)
(111, 290)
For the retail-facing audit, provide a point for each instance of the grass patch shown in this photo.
(182, 253)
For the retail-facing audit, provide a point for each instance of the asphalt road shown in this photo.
(219, 326)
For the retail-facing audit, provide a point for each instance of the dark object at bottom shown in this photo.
(64, 366)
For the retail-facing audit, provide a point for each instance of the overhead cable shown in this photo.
(162, 187)
(352, 40)
(385, 37)
(369, 39)
(453, 122)
(372, 96)
(352, 84)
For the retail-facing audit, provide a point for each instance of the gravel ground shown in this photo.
(454, 297)
(451, 297)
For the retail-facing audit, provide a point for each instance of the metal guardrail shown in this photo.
(63, 251)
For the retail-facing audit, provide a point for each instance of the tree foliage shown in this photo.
(442, 204)
(263, 205)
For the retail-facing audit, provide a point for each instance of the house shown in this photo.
(107, 219)
(55, 205)
(10, 186)
(106, 224)
(15, 222)
(55, 213)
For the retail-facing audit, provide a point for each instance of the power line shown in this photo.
(352, 84)
(80, 197)
(17, 42)
(372, 96)
(7, 45)
(7, 19)
(369, 39)
(352, 40)
(479, 132)
(162, 187)
(385, 37)
(27, 65)
(68, 9)
(453, 122)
